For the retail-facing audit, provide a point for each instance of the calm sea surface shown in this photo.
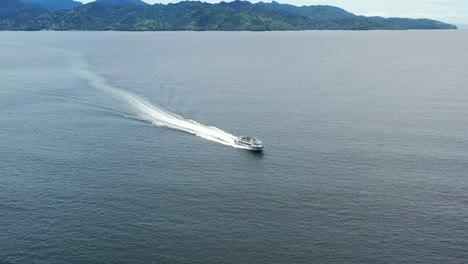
(117, 147)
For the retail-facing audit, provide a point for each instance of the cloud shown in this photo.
(449, 18)
(448, 2)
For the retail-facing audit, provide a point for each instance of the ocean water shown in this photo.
(117, 147)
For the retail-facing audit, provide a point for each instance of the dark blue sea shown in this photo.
(118, 147)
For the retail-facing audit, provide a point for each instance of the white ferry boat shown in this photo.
(250, 142)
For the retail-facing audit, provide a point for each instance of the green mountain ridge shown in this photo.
(121, 2)
(54, 5)
(194, 15)
(14, 13)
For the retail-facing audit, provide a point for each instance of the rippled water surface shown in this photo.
(117, 147)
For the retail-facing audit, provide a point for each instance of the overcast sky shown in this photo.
(452, 11)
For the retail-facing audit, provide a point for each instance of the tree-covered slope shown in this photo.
(181, 16)
(190, 15)
(121, 2)
(13, 13)
(53, 5)
(14, 9)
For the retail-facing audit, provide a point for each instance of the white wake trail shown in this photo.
(150, 112)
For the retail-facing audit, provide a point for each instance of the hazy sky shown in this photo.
(452, 11)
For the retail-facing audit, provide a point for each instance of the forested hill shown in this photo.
(132, 15)
(54, 5)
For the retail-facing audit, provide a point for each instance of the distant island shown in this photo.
(135, 15)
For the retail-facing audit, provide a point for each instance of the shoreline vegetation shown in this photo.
(135, 15)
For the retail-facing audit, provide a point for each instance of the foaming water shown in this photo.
(148, 111)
